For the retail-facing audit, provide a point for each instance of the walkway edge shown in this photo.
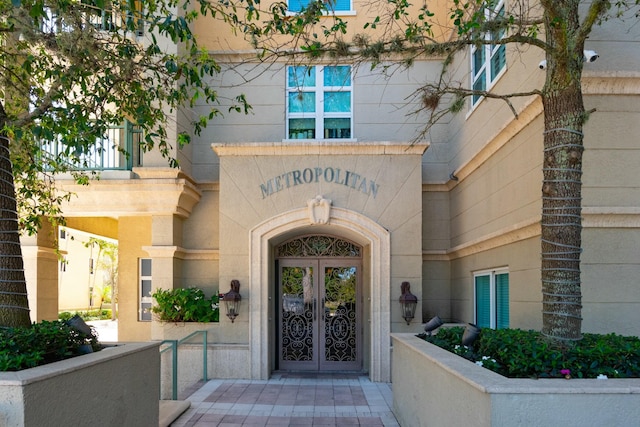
(170, 410)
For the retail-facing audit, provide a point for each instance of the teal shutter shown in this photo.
(483, 301)
(502, 300)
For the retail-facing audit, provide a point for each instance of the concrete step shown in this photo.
(170, 410)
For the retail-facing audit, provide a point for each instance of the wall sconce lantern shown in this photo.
(232, 300)
(408, 302)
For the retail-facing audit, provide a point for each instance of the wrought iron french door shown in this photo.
(319, 314)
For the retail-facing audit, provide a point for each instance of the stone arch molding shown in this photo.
(341, 222)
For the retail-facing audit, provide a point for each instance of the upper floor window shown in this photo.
(319, 102)
(491, 291)
(488, 61)
(333, 5)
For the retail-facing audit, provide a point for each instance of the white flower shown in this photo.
(602, 377)
(479, 363)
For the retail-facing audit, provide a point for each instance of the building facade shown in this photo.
(325, 198)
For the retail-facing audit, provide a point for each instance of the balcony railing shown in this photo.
(118, 150)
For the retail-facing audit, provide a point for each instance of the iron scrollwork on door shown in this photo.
(297, 314)
(340, 314)
(318, 246)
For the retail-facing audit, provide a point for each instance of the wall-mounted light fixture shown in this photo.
(232, 300)
(408, 302)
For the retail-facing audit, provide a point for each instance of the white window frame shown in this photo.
(144, 299)
(319, 115)
(490, 52)
(493, 303)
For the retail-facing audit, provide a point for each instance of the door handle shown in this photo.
(314, 309)
(322, 308)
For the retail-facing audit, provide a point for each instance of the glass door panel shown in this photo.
(319, 315)
(298, 320)
(340, 341)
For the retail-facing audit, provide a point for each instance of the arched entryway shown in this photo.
(342, 223)
(319, 301)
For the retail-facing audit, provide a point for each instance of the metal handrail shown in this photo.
(174, 363)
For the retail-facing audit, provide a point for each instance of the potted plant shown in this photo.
(182, 311)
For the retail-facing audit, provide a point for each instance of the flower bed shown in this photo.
(517, 353)
(434, 387)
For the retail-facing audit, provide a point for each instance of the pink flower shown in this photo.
(566, 373)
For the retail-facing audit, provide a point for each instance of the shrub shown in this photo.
(516, 353)
(96, 314)
(185, 305)
(42, 343)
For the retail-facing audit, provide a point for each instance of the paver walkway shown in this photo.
(291, 400)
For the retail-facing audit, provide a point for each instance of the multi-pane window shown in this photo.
(334, 6)
(144, 309)
(319, 102)
(487, 60)
(491, 291)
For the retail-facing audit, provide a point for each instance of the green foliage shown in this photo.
(73, 69)
(185, 305)
(96, 314)
(516, 353)
(42, 343)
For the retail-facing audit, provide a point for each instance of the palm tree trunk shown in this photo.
(561, 212)
(14, 305)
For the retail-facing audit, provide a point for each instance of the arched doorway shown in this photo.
(375, 240)
(319, 304)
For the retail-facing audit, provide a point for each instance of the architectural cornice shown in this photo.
(156, 191)
(182, 253)
(592, 218)
(319, 148)
(611, 217)
(611, 83)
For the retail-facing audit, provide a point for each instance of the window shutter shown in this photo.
(483, 301)
(502, 301)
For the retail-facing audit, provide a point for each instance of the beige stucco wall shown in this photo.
(216, 35)
(611, 290)
(433, 387)
(134, 232)
(41, 273)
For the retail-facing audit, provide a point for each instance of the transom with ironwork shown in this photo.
(318, 246)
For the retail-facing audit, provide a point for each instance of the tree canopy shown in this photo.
(71, 70)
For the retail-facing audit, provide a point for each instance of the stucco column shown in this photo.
(165, 252)
(41, 272)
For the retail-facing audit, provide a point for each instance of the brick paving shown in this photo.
(291, 400)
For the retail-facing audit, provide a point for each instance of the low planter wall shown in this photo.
(433, 387)
(180, 330)
(118, 386)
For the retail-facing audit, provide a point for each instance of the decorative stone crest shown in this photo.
(319, 210)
